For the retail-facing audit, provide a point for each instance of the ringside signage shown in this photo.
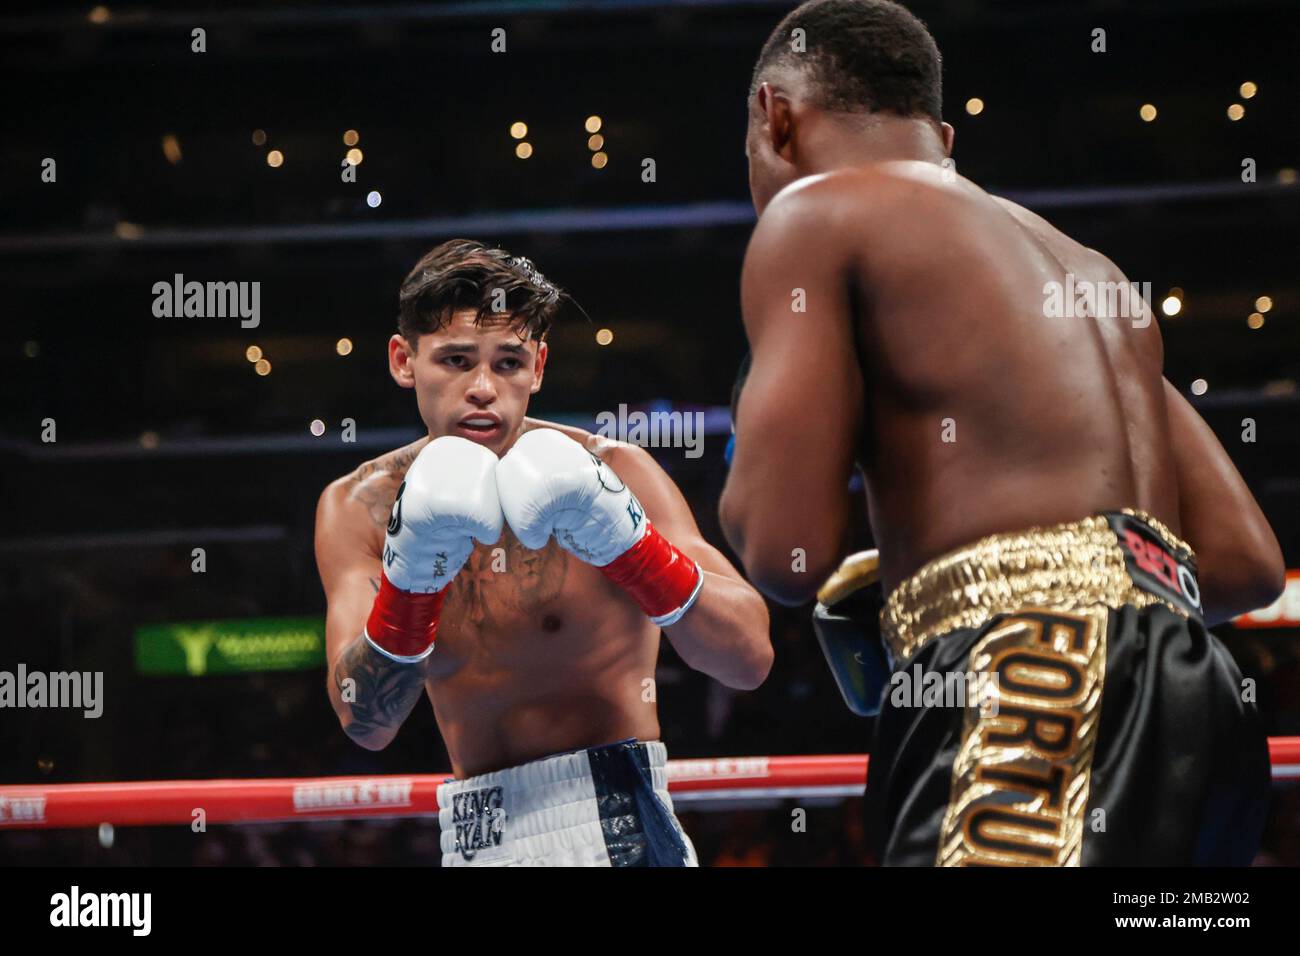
(232, 646)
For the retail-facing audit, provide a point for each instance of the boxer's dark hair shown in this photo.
(465, 274)
(863, 55)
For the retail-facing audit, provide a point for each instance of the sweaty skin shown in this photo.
(537, 653)
(925, 357)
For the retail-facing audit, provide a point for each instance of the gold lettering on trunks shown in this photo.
(1021, 777)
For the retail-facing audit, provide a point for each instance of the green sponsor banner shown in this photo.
(232, 646)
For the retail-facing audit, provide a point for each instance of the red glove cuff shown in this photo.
(403, 623)
(656, 574)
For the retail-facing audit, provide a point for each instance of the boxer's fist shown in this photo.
(448, 499)
(550, 485)
(847, 623)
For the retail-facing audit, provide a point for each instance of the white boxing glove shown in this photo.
(550, 485)
(448, 500)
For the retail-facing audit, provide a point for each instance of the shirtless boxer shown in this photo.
(1029, 481)
(518, 574)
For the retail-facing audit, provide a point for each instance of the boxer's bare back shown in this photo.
(933, 356)
(1052, 417)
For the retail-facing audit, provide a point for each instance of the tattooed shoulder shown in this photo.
(401, 459)
(375, 483)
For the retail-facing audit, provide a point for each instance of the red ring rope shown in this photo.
(692, 782)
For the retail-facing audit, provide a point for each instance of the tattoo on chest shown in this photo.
(506, 579)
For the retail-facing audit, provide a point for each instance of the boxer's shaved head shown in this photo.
(860, 55)
(463, 274)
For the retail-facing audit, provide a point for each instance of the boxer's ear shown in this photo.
(401, 359)
(948, 134)
(778, 118)
(539, 368)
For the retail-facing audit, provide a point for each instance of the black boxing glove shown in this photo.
(847, 622)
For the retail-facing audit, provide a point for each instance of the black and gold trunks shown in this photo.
(1110, 729)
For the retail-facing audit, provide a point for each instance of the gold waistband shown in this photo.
(1066, 566)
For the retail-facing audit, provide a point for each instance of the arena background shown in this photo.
(169, 438)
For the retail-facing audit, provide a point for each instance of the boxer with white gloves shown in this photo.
(520, 574)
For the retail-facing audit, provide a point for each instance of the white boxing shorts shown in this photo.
(604, 806)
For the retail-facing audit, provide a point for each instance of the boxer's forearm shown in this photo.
(372, 694)
(725, 634)
(787, 544)
(1227, 592)
(1239, 563)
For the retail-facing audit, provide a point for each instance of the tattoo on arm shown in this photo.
(375, 483)
(402, 459)
(385, 691)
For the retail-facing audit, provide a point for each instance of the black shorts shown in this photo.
(1110, 727)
